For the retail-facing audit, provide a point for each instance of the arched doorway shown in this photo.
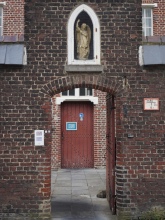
(113, 88)
(86, 109)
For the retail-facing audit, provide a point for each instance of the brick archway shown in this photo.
(112, 86)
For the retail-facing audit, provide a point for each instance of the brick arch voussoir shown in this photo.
(112, 86)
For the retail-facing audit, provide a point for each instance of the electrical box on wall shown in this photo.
(39, 137)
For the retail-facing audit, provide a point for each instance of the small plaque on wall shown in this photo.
(39, 137)
(151, 103)
(71, 126)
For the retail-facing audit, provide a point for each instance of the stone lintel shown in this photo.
(83, 68)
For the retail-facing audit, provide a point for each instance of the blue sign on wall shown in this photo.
(81, 115)
(71, 126)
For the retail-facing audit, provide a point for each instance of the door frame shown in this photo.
(111, 154)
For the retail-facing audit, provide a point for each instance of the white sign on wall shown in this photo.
(39, 137)
(151, 103)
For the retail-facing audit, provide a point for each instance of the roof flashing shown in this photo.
(152, 55)
(13, 54)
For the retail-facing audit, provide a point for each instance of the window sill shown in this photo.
(2, 4)
(150, 5)
(84, 68)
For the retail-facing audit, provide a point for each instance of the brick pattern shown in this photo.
(98, 82)
(158, 17)
(26, 105)
(56, 134)
(100, 130)
(141, 170)
(13, 17)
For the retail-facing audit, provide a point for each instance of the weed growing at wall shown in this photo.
(154, 214)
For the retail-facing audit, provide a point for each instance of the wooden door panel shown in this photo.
(110, 155)
(77, 145)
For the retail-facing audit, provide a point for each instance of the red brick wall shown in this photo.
(13, 20)
(14, 17)
(56, 135)
(158, 17)
(99, 132)
(26, 93)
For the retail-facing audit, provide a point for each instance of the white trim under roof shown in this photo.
(154, 5)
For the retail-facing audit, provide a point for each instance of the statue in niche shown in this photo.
(83, 38)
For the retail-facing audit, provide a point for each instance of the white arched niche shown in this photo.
(96, 37)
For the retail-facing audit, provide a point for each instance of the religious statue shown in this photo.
(83, 37)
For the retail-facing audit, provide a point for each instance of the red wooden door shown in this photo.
(77, 145)
(110, 155)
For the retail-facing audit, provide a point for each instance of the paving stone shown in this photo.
(64, 178)
(101, 207)
(62, 190)
(92, 183)
(61, 214)
(79, 183)
(63, 183)
(74, 195)
(62, 198)
(92, 175)
(104, 216)
(82, 196)
(80, 192)
(77, 171)
(78, 177)
(60, 206)
(83, 214)
(80, 187)
(81, 199)
(82, 207)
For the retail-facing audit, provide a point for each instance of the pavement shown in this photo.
(73, 195)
